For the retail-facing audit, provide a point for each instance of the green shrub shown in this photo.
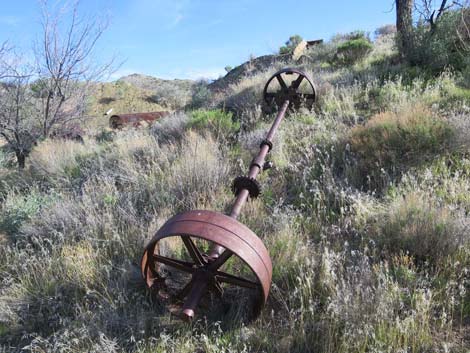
(389, 142)
(7, 157)
(323, 55)
(200, 95)
(18, 209)
(446, 45)
(353, 50)
(217, 121)
(105, 136)
(342, 37)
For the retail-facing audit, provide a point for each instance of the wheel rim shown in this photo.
(192, 228)
(290, 84)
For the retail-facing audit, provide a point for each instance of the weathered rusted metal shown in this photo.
(228, 238)
(118, 121)
(297, 96)
(219, 229)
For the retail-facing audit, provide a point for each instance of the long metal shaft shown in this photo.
(218, 252)
(258, 161)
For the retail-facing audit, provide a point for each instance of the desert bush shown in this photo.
(105, 135)
(445, 45)
(353, 50)
(391, 94)
(383, 58)
(217, 121)
(361, 306)
(18, 208)
(400, 92)
(323, 54)
(416, 225)
(170, 128)
(390, 142)
(200, 95)
(342, 37)
(7, 158)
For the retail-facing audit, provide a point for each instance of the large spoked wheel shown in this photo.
(176, 265)
(290, 84)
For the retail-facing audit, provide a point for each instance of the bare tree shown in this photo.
(45, 97)
(463, 30)
(65, 64)
(4, 50)
(431, 11)
(16, 107)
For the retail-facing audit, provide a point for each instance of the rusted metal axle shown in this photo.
(118, 121)
(227, 238)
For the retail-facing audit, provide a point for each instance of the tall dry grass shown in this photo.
(358, 266)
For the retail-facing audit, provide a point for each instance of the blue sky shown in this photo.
(198, 38)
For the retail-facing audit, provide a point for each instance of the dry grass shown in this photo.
(391, 142)
(52, 156)
(355, 270)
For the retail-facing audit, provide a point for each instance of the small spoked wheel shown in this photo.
(176, 264)
(292, 85)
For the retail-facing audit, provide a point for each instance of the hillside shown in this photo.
(172, 94)
(365, 214)
(155, 84)
(138, 93)
(250, 68)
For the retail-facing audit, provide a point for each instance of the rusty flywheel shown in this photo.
(200, 251)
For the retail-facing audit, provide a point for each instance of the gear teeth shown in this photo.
(244, 182)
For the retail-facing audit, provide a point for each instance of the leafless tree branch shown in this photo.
(38, 101)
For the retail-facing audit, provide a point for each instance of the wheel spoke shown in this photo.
(281, 82)
(193, 250)
(295, 84)
(178, 264)
(219, 261)
(237, 281)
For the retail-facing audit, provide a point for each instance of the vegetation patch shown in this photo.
(389, 142)
(218, 121)
(364, 212)
(353, 50)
